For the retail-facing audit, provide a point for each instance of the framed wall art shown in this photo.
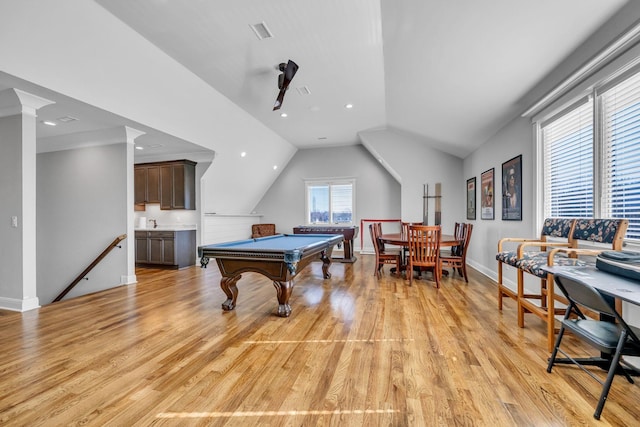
(486, 194)
(471, 198)
(512, 189)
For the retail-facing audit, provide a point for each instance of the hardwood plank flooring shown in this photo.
(356, 351)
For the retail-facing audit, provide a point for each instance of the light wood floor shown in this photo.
(356, 351)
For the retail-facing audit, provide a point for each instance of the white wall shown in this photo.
(377, 192)
(514, 139)
(415, 163)
(81, 208)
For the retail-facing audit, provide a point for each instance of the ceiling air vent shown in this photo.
(303, 90)
(261, 31)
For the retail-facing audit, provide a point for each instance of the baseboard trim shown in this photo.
(20, 305)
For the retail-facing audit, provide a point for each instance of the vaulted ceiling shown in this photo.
(451, 73)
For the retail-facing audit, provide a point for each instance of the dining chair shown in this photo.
(383, 255)
(424, 250)
(613, 337)
(404, 230)
(457, 257)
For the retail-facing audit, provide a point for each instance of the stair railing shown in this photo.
(90, 267)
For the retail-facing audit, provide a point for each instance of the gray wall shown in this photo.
(11, 205)
(377, 192)
(81, 209)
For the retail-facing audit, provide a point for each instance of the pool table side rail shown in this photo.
(235, 249)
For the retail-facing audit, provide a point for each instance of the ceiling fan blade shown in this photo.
(279, 99)
(288, 71)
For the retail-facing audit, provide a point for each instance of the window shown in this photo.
(592, 156)
(620, 112)
(330, 202)
(568, 162)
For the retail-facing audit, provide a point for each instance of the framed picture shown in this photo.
(512, 189)
(471, 198)
(486, 190)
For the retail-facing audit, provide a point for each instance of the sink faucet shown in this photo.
(155, 223)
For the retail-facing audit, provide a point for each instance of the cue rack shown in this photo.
(425, 204)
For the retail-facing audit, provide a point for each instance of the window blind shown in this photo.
(568, 162)
(620, 107)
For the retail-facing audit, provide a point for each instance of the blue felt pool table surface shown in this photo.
(278, 242)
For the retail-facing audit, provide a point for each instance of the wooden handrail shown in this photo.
(93, 264)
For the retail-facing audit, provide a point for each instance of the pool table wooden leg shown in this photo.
(228, 285)
(326, 262)
(283, 290)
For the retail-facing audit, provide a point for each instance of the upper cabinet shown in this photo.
(172, 184)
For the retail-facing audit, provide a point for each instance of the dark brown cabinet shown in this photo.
(172, 184)
(147, 184)
(173, 249)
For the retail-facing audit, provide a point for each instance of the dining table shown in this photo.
(401, 239)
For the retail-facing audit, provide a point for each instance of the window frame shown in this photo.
(330, 182)
(599, 169)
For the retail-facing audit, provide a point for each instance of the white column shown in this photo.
(18, 199)
(131, 135)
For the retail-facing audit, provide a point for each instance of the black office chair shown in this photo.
(614, 340)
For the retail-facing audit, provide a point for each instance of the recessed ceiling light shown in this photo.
(348, 106)
(275, 167)
(283, 114)
(48, 123)
(244, 153)
(139, 147)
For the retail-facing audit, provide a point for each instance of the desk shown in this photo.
(609, 284)
(349, 232)
(278, 257)
(616, 286)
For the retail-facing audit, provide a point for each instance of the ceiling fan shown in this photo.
(288, 71)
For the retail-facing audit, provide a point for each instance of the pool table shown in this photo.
(279, 258)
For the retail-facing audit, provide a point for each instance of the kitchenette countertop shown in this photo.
(172, 227)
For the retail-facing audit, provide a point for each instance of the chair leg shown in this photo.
(410, 273)
(615, 362)
(520, 297)
(551, 314)
(552, 359)
(464, 272)
(499, 285)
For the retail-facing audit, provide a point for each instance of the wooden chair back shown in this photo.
(458, 258)
(262, 230)
(382, 256)
(424, 250)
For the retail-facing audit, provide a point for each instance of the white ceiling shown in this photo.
(450, 72)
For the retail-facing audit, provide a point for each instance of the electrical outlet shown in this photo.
(14, 221)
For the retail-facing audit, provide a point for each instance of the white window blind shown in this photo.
(568, 162)
(620, 107)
